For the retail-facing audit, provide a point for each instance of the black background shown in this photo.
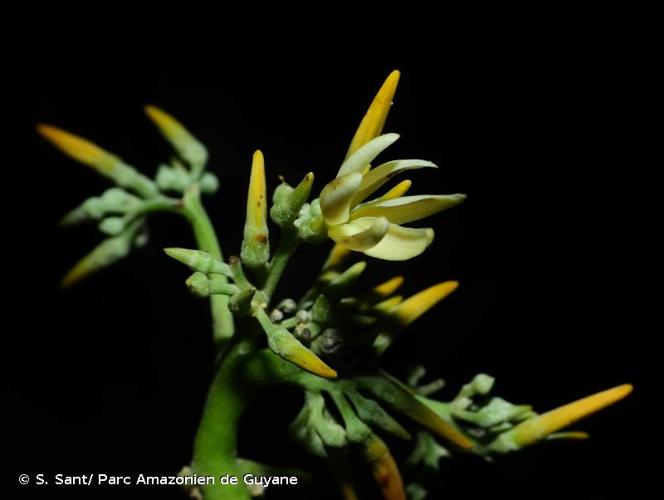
(541, 126)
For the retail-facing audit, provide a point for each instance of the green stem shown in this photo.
(206, 239)
(215, 446)
(286, 247)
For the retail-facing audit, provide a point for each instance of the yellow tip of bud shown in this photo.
(389, 287)
(384, 469)
(534, 429)
(257, 200)
(307, 360)
(413, 307)
(397, 191)
(374, 120)
(78, 148)
(337, 256)
(169, 126)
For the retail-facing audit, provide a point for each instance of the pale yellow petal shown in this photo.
(336, 196)
(407, 208)
(401, 243)
(361, 234)
(359, 160)
(378, 176)
(336, 256)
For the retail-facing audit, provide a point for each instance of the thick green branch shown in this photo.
(206, 239)
(215, 447)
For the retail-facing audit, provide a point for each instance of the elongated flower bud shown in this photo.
(281, 342)
(214, 284)
(384, 468)
(374, 120)
(103, 255)
(413, 307)
(199, 260)
(185, 144)
(532, 430)
(114, 200)
(403, 401)
(102, 161)
(256, 244)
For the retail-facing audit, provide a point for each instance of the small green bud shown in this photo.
(495, 412)
(204, 286)
(289, 201)
(209, 183)
(340, 284)
(199, 260)
(481, 384)
(281, 192)
(321, 311)
(112, 225)
(310, 224)
(288, 306)
(114, 200)
(171, 179)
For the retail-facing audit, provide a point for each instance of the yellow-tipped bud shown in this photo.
(184, 143)
(103, 255)
(80, 149)
(374, 120)
(384, 468)
(413, 307)
(535, 429)
(288, 347)
(337, 257)
(388, 287)
(256, 245)
(398, 190)
(388, 305)
(199, 260)
(99, 159)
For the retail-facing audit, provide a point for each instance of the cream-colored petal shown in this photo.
(361, 234)
(378, 176)
(366, 154)
(336, 196)
(407, 208)
(402, 243)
